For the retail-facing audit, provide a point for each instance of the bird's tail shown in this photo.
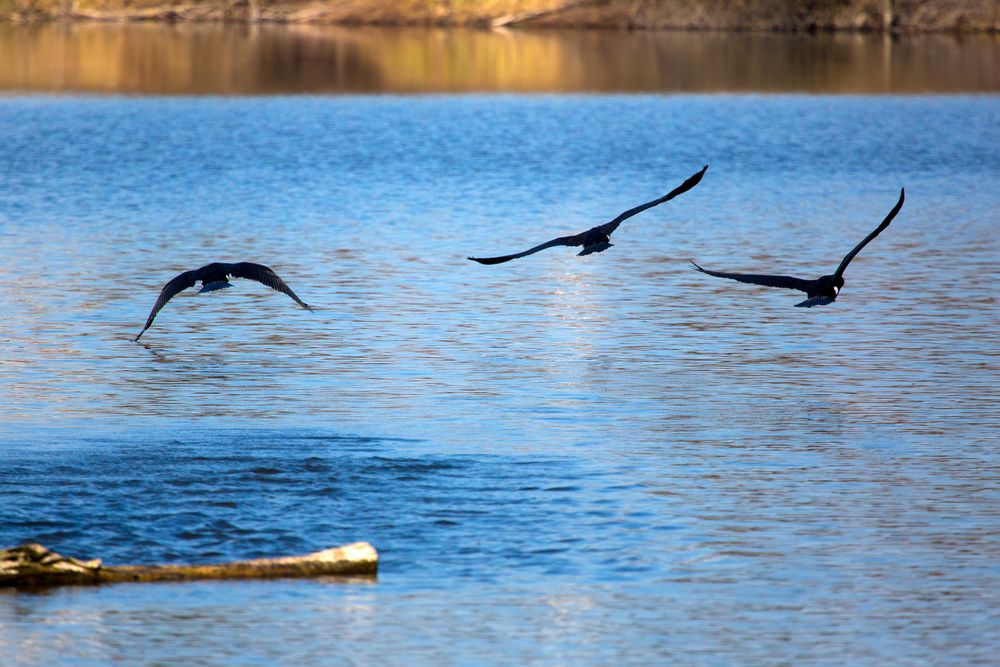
(597, 247)
(815, 301)
(218, 284)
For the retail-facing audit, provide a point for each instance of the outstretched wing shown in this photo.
(865, 241)
(575, 240)
(171, 289)
(266, 276)
(786, 282)
(609, 227)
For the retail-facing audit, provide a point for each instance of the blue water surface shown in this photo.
(595, 460)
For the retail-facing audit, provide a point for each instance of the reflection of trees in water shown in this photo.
(305, 58)
(199, 59)
(260, 59)
(694, 61)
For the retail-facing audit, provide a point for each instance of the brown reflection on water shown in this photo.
(248, 60)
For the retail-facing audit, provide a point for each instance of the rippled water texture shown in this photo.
(265, 60)
(600, 460)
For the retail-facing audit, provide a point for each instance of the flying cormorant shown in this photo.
(596, 239)
(216, 276)
(820, 291)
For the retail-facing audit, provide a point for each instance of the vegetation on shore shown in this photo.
(769, 15)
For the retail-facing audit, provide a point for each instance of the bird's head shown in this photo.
(832, 284)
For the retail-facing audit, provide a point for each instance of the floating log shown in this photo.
(35, 566)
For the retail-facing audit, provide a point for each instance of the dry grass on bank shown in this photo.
(770, 15)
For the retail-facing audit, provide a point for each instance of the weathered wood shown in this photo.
(177, 13)
(523, 17)
(34, 566)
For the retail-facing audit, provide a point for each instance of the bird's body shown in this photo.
(821, 291)
(597, 239)
(216, 276)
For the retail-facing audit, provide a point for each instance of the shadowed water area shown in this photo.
(593, 460)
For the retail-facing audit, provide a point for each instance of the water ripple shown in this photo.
(610, 457)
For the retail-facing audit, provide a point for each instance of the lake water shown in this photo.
(588, 460)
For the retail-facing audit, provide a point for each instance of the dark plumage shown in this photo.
(216, 276)
(597, 238)
(820, 291)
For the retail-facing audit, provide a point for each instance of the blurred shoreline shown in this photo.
(156, 58)
(883, 16)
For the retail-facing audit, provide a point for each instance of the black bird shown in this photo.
(821, 291)
(596, 239)
(216, 276)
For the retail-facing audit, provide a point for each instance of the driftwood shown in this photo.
(251, 11)
(514, 19)
(224, 11)
(34, 566)
(179, 13)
